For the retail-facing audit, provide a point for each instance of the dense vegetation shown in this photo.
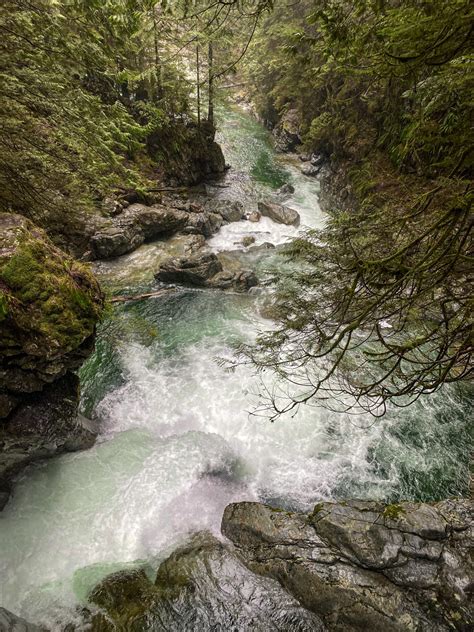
(380, 305)
(100, 94)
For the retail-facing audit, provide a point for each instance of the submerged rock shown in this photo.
(201, 586)
(286, 189)
(49, 307)
(365, 565)
(279, 213)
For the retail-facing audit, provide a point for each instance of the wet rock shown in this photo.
(205, 270)
(240, 281)
(229, 210)
(248, 240)
(262, 247)
(308, 169)
(254, 216)
(157, 220)
(136, 224)
(279, 213)
(286, 189)
(287, 131)
(43, 425)
(317, 160)
(201, 586)
(194, 270)
(365, 565)
(203, 223)
(117, 239)
(11, 623)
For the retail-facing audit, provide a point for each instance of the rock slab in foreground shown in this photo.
(201, 587)
(365, 565)
(279, 213)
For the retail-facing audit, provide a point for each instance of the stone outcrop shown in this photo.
(124, 232)
(196, 157)
(44, 424)
(201, 586)
(279, 213)
(365, 565)
(204, 270)
(287, 131)
(49, 307)
(135, 225)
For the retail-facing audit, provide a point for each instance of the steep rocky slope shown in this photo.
(49, 307)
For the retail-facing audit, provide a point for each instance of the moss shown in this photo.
(52, 299)
(3, 306)
(393, 512)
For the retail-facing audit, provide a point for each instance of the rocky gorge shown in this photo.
(292, 553)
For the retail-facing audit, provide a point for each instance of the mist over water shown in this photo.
(178, 443)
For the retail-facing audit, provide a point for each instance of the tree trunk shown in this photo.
(159, 87)
(210, 108)
(198, 81)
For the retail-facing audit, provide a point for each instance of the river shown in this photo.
(177, 438)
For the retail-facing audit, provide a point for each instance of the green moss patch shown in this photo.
(49, 299)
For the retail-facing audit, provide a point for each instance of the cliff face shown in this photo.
(49, 306)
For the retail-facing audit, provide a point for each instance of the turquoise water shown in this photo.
(178, 441)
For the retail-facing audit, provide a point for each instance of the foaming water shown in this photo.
(178, 443)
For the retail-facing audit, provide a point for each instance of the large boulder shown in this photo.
(201, 586)
(279, 213)
(188, 153)
(193, 270)
(365, 565)
(205, 270)
(43, 425)
(49, 307)
(203, 223)
(287, 131)
(136, 224)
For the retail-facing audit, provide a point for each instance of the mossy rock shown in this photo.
(49, 306)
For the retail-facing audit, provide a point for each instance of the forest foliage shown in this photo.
(378, 307)
(85, 84)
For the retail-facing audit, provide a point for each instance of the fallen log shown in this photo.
(139, 297)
